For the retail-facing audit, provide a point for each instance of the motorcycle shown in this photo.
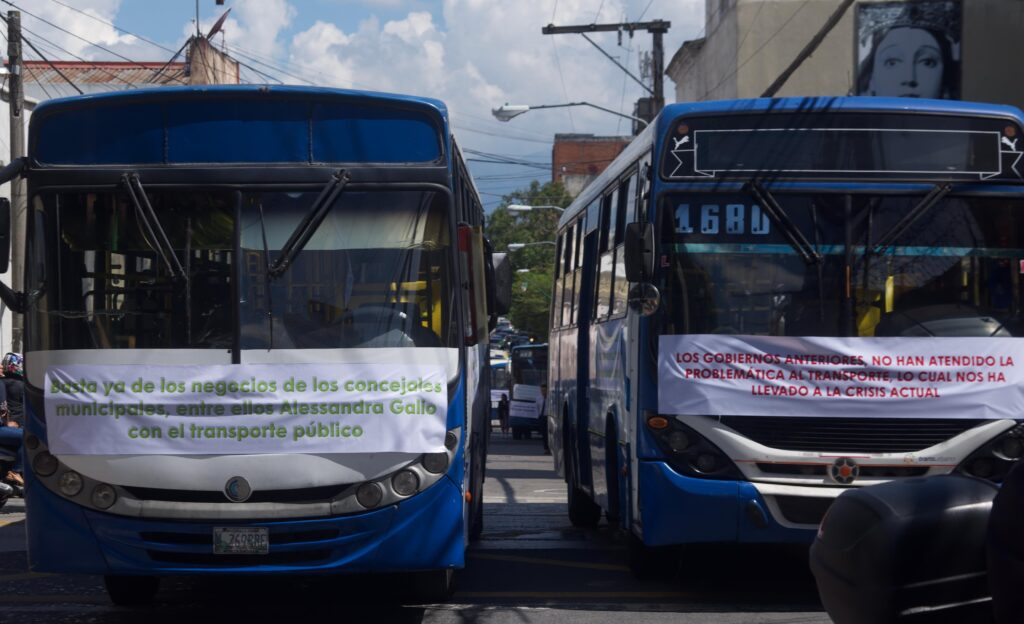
(11, 482)
(8, 459)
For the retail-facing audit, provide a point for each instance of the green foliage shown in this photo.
(531, 291)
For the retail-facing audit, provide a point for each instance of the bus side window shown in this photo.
(577, 268)
(556, 296)
(606, 257)
(567, 275)
(626, 214)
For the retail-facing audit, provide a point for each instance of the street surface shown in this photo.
(531, 566)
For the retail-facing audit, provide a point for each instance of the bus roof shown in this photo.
(659, 129)
(239, 124)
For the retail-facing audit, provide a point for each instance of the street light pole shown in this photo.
(518, 246)
(525, 208)
(507, 111)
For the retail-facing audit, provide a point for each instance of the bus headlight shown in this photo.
(689, 452)
(103, 496)
(44, 464)
(996, 458)
(70, 483)
(405, 483)
(369, 495)
(435, 463)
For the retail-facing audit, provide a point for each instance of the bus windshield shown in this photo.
(376, 272)
(530, 366)
(955, 271)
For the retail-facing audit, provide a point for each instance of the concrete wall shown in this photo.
(757, 39)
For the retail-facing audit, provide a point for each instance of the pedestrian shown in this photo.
(12, 411)
(503, 412)
(14, 387)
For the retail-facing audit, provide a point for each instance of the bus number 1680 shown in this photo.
(737, 219)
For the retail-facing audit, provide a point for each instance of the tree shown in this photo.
(534, 265)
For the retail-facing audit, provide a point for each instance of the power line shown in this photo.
(64, 30)
(111, 24)
(26, 41)
(73, 55)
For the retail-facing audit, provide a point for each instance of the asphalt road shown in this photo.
(531, 566)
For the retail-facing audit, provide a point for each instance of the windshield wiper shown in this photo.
(266, 277)
(309, 224)
(932, 198)
(792, 233)
(151, 225)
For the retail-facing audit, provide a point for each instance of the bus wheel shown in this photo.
(433, 587)
(126, 591)
(583, 512)
(649, 563)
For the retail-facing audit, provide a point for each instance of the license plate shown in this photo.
(241, 540)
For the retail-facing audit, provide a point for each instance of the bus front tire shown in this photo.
(129, 591)
(433, 586)
(583, 512)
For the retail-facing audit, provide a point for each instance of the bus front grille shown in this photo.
(845, 435)
(299, 495)
(288, 557)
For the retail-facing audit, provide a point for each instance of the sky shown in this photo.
(473, 54)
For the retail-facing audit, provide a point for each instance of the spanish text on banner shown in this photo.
(243, 409)
(936, 377)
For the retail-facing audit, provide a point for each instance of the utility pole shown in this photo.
(17, 107)
(657, 28)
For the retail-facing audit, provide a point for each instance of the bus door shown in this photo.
(585, 298)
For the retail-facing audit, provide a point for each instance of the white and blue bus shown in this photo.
(761, 303)
(256, 336)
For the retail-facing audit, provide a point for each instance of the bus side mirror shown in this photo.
(502, 284)
(639, 252)
(5, 233)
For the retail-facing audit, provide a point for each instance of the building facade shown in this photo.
(576, 159)
(954, 49)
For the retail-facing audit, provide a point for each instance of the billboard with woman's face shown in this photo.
(909, 49)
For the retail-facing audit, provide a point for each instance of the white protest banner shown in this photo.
(247, 408)
(934, 377)
(524, 409)
(525, 392)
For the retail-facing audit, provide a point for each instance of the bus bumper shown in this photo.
(678, 509)
(424, 532)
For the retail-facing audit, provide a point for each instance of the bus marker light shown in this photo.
(103, 496)
(31, 442)
(1011, 448)
(70, 483)
(435, 463)
(44, 464)
(405, 483)
(369, 495)
(450, 439)
(469, 496)
(657, 422)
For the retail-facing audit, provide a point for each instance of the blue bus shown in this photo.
(256, 336)
(761, 303)
(527, 374)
